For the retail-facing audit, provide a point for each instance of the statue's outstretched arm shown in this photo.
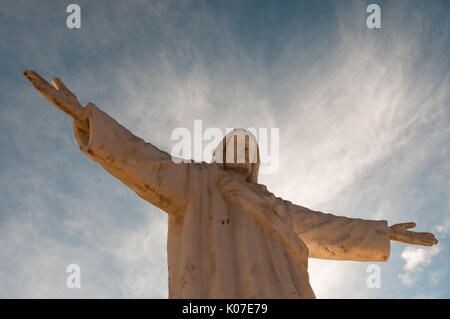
(342, 238)
(150, 172)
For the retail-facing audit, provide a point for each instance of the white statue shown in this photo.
(228, 236)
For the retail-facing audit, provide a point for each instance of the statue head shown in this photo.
(238, 155)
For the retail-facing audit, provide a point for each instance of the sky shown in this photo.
(363, 118)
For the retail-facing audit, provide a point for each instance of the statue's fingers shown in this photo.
(429, 243)
(426, 239)
(30, 76)
(35, 76)
(63, 88)
(45, 90)
(39, 83)
(416, 240)
(426, 235)
(430, 239)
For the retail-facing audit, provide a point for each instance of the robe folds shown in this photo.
(227, 238)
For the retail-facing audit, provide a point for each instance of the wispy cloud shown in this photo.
(363, 117)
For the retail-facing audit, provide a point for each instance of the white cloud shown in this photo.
(416, 257)
(415, 260)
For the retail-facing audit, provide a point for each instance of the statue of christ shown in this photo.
(228, 237)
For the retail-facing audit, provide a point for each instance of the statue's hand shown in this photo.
(58, 94)
(400, 232)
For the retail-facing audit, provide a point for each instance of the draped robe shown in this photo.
(227, 238)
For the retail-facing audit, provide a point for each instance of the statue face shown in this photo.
(238, 152)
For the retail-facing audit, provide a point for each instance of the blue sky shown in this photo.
(363, 117)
